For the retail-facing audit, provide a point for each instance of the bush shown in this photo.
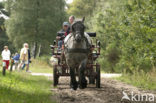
(126, 29)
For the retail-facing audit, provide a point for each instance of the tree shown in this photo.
(35, 22)
(126, 29)
(81, 8)
(3, 37)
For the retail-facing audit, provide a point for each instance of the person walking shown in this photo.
(29, 59)
(24, 57)
(16, 60)
(6, 57)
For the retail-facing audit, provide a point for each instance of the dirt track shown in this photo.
(111, 91)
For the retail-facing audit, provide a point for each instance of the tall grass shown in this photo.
(21, 87)
(41, 65)
(38, 65)
(141, 79)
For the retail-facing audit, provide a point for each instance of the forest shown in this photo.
(126, 65)
(35, 22)
(126, 29)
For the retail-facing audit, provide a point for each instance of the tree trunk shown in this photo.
(39, 50)
(34, 50)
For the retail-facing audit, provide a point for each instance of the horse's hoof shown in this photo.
(71, 89)
(74, 86)
(83, 86)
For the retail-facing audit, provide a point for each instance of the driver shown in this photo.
(61, 37)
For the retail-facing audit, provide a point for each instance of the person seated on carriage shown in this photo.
(71, 21)
(62, 36)
(66, 29)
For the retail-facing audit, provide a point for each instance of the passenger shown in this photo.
(61, 37)
(71, 20)
(6, 56)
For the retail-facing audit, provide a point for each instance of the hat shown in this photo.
(65, 23)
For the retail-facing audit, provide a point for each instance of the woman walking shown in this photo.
(6, 58)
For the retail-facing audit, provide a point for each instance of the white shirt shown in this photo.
(24, 50)
(6, 55)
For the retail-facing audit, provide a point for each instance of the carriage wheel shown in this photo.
(91, 76)
(91, 79)
(98, 78)
(55, 76)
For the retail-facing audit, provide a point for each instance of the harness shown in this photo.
(77, 50)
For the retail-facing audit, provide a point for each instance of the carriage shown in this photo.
(60, 67)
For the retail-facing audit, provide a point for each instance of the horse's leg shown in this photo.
(73, 82)
(82, 79)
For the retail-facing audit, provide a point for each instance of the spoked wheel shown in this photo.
(91, 79)
(55, 76)
(91, 76)
(98, 77)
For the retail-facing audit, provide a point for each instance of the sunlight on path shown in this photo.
(42, 74)
(110, 75)
(103, 75)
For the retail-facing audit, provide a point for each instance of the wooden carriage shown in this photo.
(60, 67)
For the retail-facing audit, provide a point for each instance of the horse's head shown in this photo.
(78, 30)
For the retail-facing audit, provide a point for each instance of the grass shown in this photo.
(21, 87)
(40, 65)
(140, 79)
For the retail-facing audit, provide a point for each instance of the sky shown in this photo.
(69, 1)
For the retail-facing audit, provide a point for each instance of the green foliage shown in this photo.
(81, 8)
(34, 21)
(24, 88)
(41, 65)
(4, 40)
(140, 79)
(126, 29)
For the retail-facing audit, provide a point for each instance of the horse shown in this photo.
(77, 46)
